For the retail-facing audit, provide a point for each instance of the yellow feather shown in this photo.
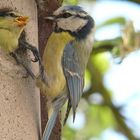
(9, 34)
(52, 63)
(8, 41)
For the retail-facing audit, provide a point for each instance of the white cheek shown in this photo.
(72, 24)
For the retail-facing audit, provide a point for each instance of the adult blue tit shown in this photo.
(12, 25)
(65, 58)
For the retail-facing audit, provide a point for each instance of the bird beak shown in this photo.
(51, 18)
(22, 20)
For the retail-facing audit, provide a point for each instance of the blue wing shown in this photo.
(74, 74)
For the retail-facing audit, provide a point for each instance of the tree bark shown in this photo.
(46, 7)
(19, 97)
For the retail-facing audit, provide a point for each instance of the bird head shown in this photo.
(12, 20)
(72, 19)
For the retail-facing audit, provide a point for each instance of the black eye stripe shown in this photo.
(10, 14)
(66, 15)
(3, 14)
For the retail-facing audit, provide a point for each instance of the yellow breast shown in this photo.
(8, 40)
(52, 62)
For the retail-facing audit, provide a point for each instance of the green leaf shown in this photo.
(116, 20)
(68, 133)
(71, 2)
(87, 79)
(101, 62)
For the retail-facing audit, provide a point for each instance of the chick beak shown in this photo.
(22, 20)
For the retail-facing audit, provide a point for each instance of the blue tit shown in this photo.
(65, 58)
(12, 25)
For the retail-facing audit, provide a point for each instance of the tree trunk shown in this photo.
(19, 97)
(46, 7)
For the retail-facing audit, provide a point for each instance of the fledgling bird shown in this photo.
(12, 25)
(65, 58)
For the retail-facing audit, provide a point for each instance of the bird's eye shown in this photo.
(12, 14)
(66, 15)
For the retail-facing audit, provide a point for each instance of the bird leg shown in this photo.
(36, 54)
(33, 49)
(19, 61)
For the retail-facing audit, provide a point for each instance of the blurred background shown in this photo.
(109, 109)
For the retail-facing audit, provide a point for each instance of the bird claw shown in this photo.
(36, 55)
(32, 49)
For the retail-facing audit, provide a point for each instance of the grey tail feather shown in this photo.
(74, 112)
(74, 115)
(50, 125)
(57, 104)
(67, 113)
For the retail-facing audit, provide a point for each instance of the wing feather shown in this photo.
(74, 76)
